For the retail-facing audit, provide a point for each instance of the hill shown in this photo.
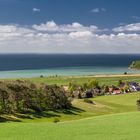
(113, 127)
(103, 105)
(135, 65)
(112, 117)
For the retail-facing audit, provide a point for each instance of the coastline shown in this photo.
(105, 75)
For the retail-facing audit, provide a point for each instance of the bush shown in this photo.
(41, 76)
(125, 73)
(56, 120)
(138, 104)
(88, 101)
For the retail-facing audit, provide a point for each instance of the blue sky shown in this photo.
(69, 26)
(68, 11)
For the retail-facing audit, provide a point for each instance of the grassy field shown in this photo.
(113, 117)
(103, 105)
(65, 80)
(108, 127)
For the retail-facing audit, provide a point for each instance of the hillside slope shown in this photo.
(107, 127)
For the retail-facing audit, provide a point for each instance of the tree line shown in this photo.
(23, 96)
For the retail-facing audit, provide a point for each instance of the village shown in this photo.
(92, 89)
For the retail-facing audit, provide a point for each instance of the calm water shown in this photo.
(33, 65)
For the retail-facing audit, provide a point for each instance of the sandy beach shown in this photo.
(105, 75)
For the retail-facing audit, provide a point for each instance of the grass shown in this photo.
(108, 127)
(65, 80)
(112, 117)
(103, 105)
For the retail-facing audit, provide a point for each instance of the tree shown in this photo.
(23, 96)
(84, 86)
(72, 87)
(93, 84)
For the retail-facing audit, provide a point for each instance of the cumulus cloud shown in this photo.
(36, 10)
(97, 10)
(53, 27)
(129, 27)
(50, 37)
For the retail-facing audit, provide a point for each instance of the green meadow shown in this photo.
(65, 80)
(113, 117)
(124, 126)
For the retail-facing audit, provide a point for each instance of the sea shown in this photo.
(35, 65)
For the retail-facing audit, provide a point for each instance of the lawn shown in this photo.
(123, 126)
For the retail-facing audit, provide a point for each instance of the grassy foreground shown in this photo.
(108, 127)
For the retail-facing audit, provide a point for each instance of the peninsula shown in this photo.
(135, 65)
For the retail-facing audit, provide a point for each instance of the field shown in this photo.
(86, 122)
(113, 117)
(108, 127)
(65, 80)
(104, 105)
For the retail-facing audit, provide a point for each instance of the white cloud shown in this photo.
(135, 17)
(97, 10)
(129, 27)
(36, 10)
(66, 38)
(103, 9)
(80, 34)
(53, 27)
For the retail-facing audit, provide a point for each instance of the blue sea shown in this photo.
(34, 65)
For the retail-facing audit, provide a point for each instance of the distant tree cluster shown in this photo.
(22, 96)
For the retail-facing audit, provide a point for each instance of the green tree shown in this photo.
(93, 84)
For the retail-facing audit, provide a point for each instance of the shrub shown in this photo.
(56, 120)
(88, 101)
(138, 104)
(41, 76)
(125, 73)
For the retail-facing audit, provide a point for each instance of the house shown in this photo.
(111, 88)
(116, 91)
(133, 86)
(66, 88)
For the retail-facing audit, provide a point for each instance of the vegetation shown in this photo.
(123, 126)
(88, 101)
(135, 64)
(23, 96)
(138, 104)
(34, 102)
(104, 105)
(65, 80)
(56, 120)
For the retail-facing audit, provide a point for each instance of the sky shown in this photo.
(70, 26)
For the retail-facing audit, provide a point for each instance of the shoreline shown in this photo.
(116, 75)
(105, 75)
(76, 76)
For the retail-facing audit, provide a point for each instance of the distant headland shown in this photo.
(135, 65)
